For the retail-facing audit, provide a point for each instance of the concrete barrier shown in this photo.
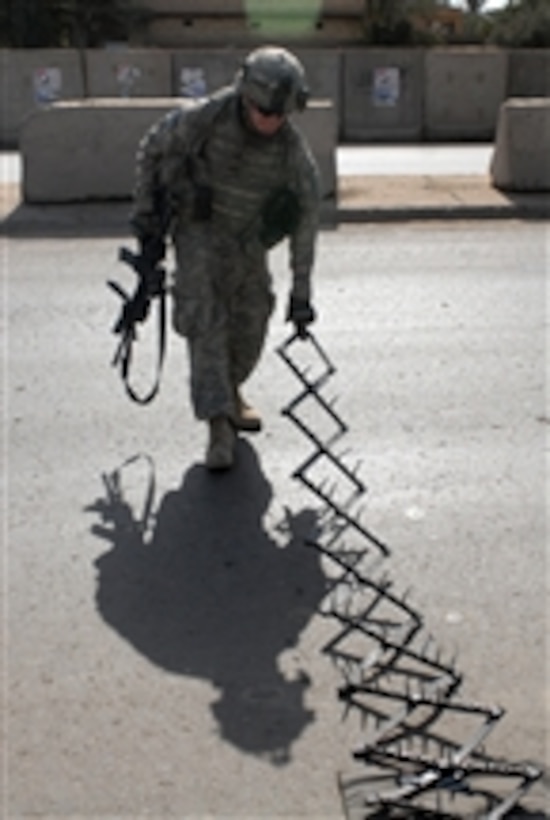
(382, 94)
(323, 69)
(196, 72)
(124, 72)
(377, 94)
(85, 151)
(521, 157)
(528, 72)
(81, 151)
(31, 78)
(464, 89)
(319, 124)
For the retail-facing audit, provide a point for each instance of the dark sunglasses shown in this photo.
(265, 111)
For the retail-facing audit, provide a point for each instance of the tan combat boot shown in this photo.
(220, 453)
(246, 418)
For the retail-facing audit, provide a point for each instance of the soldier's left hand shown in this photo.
(302, 314)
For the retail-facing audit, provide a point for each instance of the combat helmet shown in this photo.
(274, 80)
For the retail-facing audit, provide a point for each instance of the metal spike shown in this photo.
(422, 689)
(339, 518)
(424, 651)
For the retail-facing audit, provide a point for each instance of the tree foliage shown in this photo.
(524, 23)
(475, 6)
(424, 22)
(51, 23)
(93, 23)
(400, 22)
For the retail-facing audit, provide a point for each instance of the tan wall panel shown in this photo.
(464, 90)
(382, 94)
(30, 78)
(122, 72)
(529, 72)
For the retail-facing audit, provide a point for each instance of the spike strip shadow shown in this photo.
(381, 640)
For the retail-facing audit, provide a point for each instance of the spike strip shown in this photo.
(354, 599)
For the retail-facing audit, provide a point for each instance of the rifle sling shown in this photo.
(125, 355)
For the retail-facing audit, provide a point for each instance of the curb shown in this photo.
(409, 213)
(111, 218)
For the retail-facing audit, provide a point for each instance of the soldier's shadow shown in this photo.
(212, 595)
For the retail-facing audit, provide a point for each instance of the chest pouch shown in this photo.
(279, 218)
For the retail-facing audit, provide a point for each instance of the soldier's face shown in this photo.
(264, 122)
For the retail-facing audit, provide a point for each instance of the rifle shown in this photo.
(135, 309)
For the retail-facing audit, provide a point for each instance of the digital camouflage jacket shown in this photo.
(203, 163)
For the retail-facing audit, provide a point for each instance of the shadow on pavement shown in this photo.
(88, 220)
(412, 814)
(211, 595)
(81, 220)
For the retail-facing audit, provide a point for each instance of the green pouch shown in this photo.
(280, 216)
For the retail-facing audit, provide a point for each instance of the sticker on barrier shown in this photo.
(47, 84)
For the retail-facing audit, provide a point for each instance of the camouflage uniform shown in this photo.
(214, 176)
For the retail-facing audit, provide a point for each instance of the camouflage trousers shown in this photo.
(222, 301)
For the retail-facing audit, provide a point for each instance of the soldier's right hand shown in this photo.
(152, 250)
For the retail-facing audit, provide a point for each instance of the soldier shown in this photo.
(227, 180)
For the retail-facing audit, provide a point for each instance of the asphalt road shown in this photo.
(175, 669)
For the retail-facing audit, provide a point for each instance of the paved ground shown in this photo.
(176, 670)
(374, 184)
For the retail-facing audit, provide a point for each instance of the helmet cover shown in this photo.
(274, 80)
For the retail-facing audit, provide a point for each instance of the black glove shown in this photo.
(301, 313)
(152, 251)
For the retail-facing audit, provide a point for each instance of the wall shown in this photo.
(123, 73)
(464, 88)
(433, 94)
(382, 94)
(204, 70)
(31, 78)
(529, 73)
